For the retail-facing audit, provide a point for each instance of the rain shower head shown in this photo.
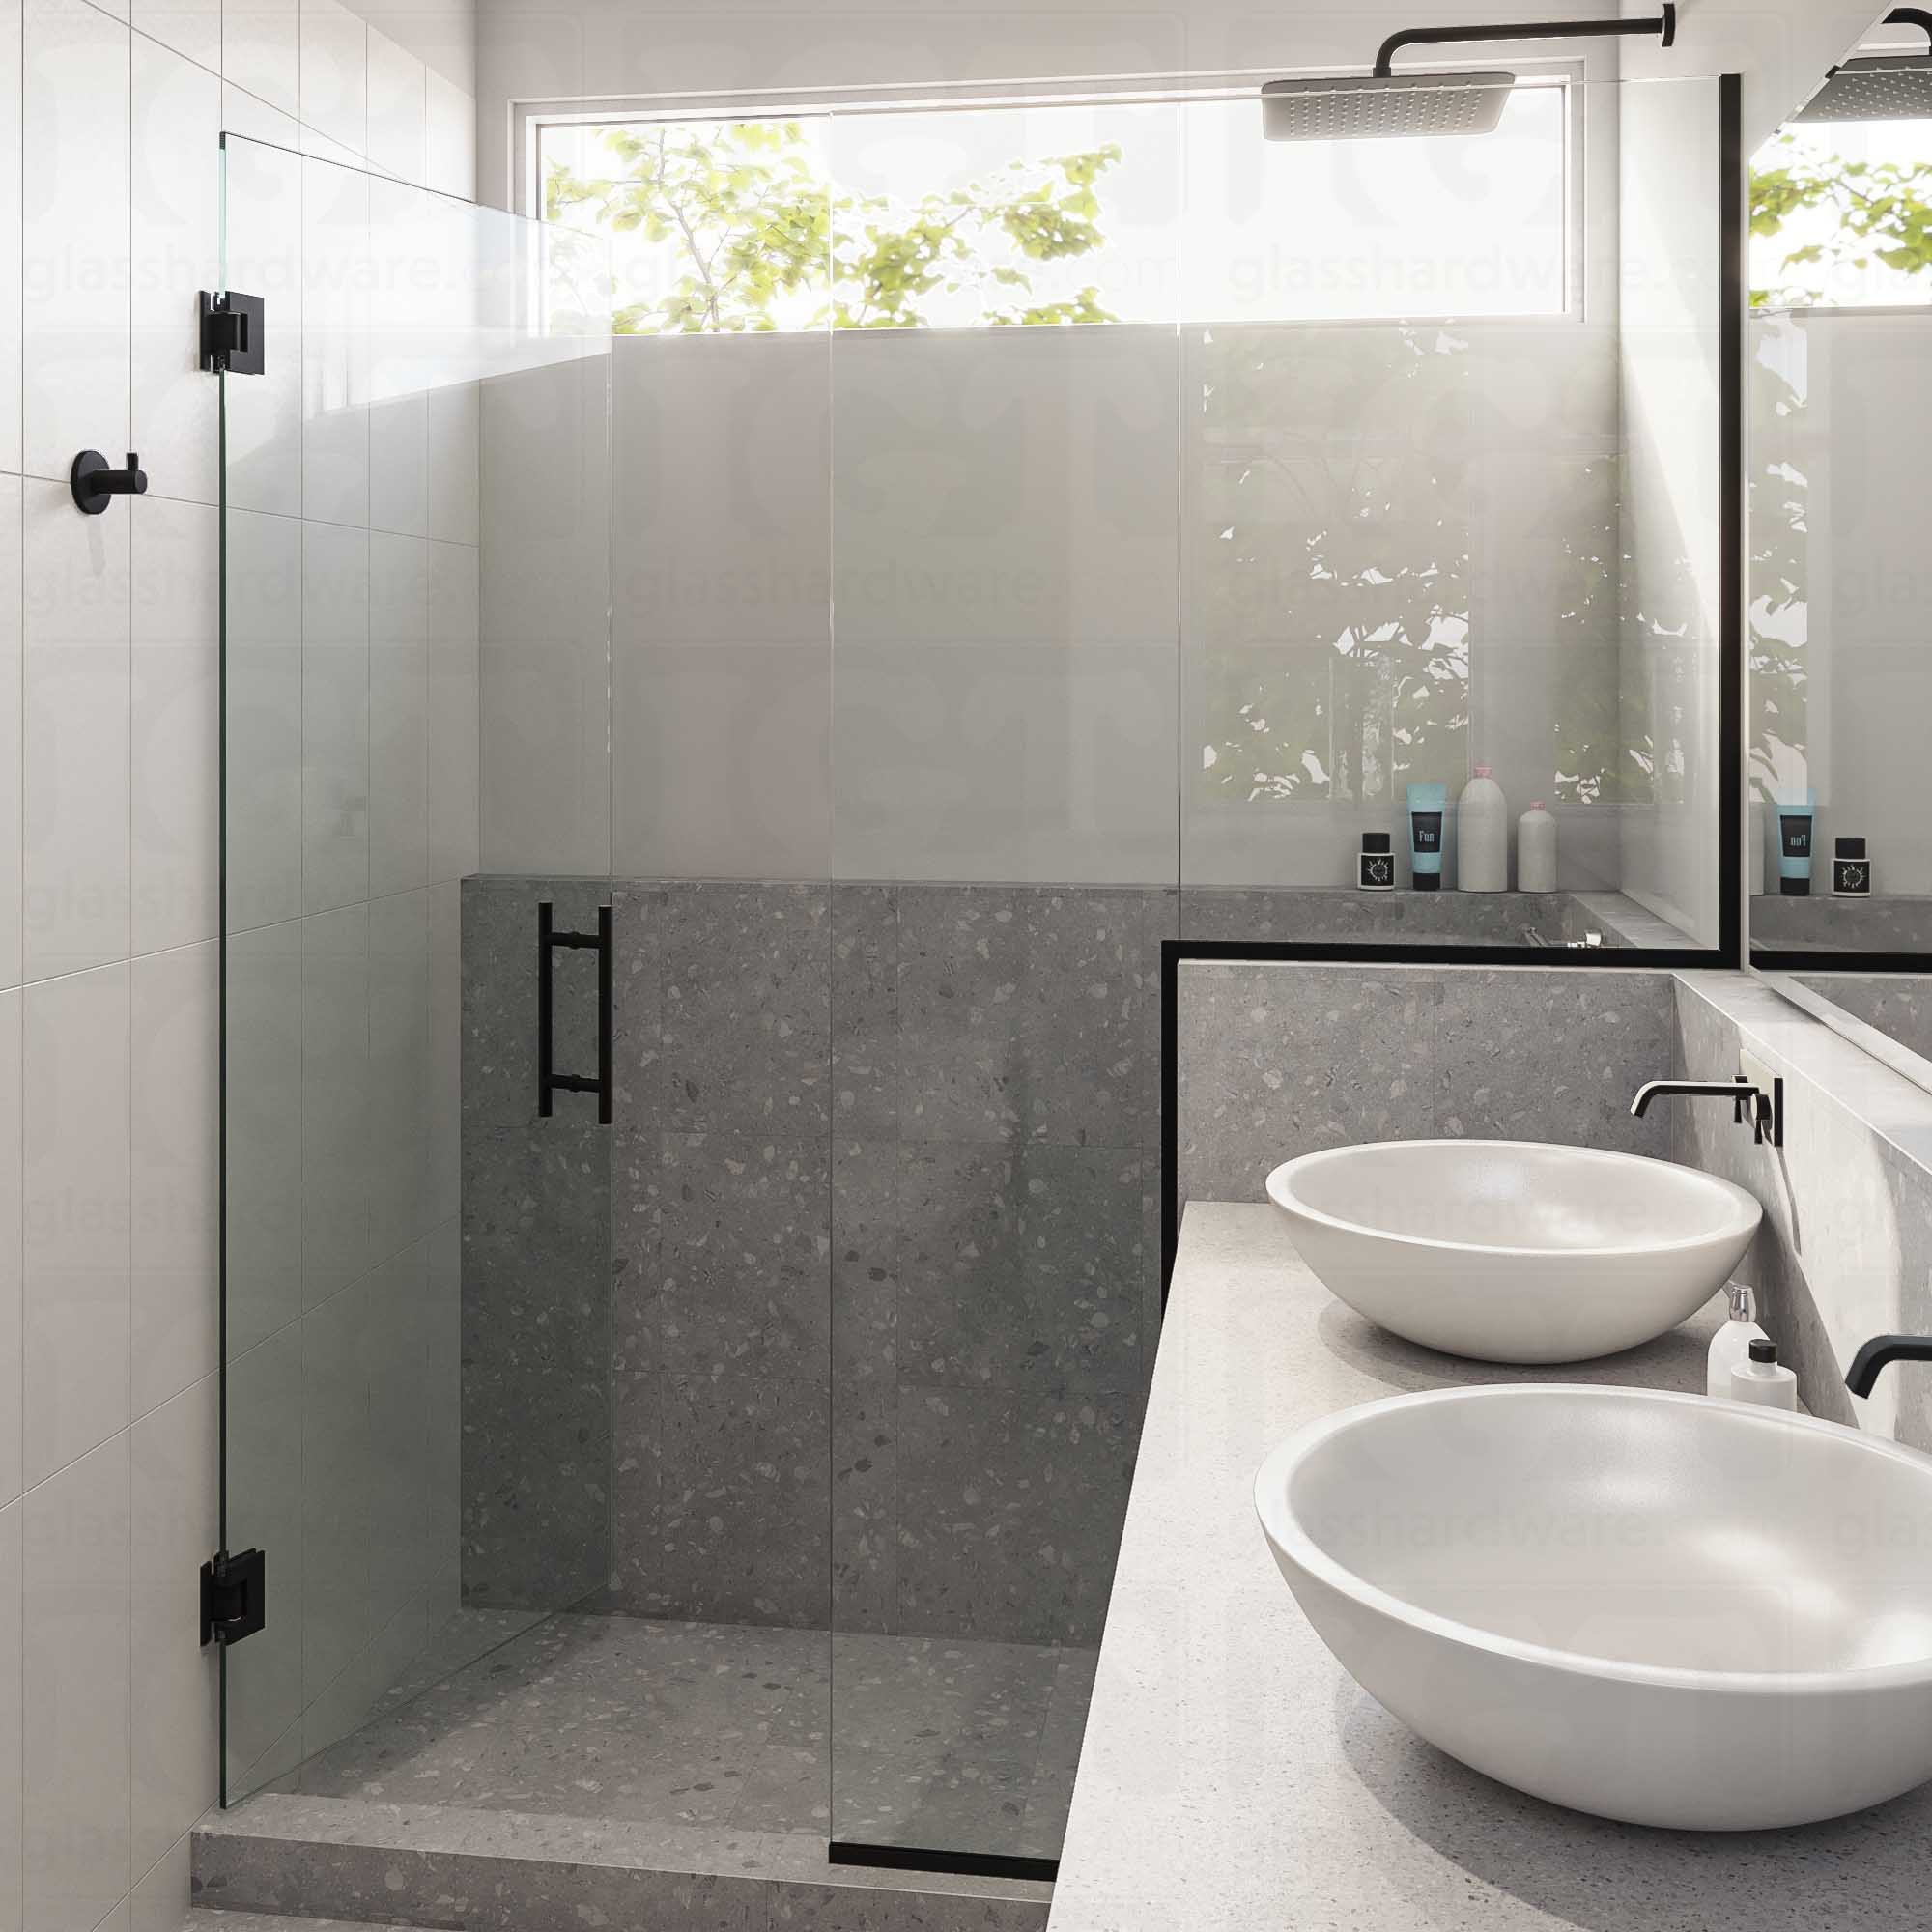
(1879, 87)
(1385, 104)
(1367, 107)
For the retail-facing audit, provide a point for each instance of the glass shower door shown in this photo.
(415, 691)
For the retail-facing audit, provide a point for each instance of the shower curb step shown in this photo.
(339, 1861)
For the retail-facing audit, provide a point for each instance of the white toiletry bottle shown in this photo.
(1535, 851)
(1764, 1380)
(1482, 836)
(1730, 1346)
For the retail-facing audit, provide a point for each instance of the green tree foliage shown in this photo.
(1879, 209)
(749, 221)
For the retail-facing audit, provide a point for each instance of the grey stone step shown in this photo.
(279, 1860)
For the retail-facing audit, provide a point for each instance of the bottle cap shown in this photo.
(1851, 849)
(1762, 1351)
(1795, 889)
(1485, 772)
(1374, 841)
(1536, 804)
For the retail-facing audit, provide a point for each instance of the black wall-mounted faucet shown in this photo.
(93, 483)
(1751, 1105)
(1881, 1349)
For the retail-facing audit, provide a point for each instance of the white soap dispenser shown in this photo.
(1482, 836)
(1764, 1380)
(1535, 851)
(1730, 1346)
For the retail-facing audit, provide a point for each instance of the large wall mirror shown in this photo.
(1840, 422)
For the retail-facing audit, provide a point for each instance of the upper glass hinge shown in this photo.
(233, 331)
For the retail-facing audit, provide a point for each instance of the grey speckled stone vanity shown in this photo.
(1235, 1779)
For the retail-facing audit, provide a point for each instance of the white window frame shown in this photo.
(1589, 284)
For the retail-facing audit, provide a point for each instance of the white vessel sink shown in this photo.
(1513, 1251)
(1656, 1608)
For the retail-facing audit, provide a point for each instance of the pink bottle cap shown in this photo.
(1536, 804)
(1484, 772)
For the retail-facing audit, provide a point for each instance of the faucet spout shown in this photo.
(1751, 1105)
(1881, 1349)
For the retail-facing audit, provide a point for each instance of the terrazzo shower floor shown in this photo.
(951, 1743)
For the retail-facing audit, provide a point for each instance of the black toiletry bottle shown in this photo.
(1375, 863)
(1851, 871)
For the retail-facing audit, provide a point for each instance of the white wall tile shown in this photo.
(546, 564)
(12, 1663)
(399, 1047)
(77, 1729)
(264, 1442)
(176, 1526)
(248, 115)
(176, 1175)
(264, 705)
(12, 1391)
(78, 1185)
(264, 200)
(335, 715)
(265, 1135)
(453, 462)
(399, 463)
(338, 1479)
(177, 253)
(450, 168)
(335, 73)
(12, 748)
(399, 622)
(399, 1555)
(338, 310)
(176, 723)
(446, 1053)
(74, 313)
(454, 670)
(78, 693)
(398, 104)
(442, 1415)
(164, 1894)
(11, 182)
(335, 1101)
(192, 28)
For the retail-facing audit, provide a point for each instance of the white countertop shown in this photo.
(1235, 1777)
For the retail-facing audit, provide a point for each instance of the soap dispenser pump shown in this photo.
(1730, 1346)
(1764, 1380)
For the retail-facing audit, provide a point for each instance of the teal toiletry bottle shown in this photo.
(1794, 848)
(1427, 804)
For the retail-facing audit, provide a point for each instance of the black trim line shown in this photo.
(1784, 961)
(962, 1865)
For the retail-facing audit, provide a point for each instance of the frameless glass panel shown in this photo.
(1417, 552)
(1003, 852)
(415, 724)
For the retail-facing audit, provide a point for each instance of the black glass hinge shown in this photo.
(233, 1598)
(234, 331)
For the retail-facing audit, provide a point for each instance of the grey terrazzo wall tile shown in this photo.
(1010, 1510)
(1897, 1005)
(536, 1363)
(866, 1010)
(744, 1256)
(744, 1502)
(747, 1010)
(1279, 1058)
(1552, 1056)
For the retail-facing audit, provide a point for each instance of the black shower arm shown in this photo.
(1665, 25)
(1912, 16)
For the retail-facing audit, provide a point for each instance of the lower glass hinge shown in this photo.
(233, 1598)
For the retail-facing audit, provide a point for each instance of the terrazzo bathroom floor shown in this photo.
(940, 1743)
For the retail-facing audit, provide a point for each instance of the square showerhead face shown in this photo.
(1882, 87)
(1363, 107)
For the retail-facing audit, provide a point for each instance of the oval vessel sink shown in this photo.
(1656, 1608)
(1513, 1251)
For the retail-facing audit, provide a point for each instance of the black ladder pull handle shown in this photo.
(549, 1081)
